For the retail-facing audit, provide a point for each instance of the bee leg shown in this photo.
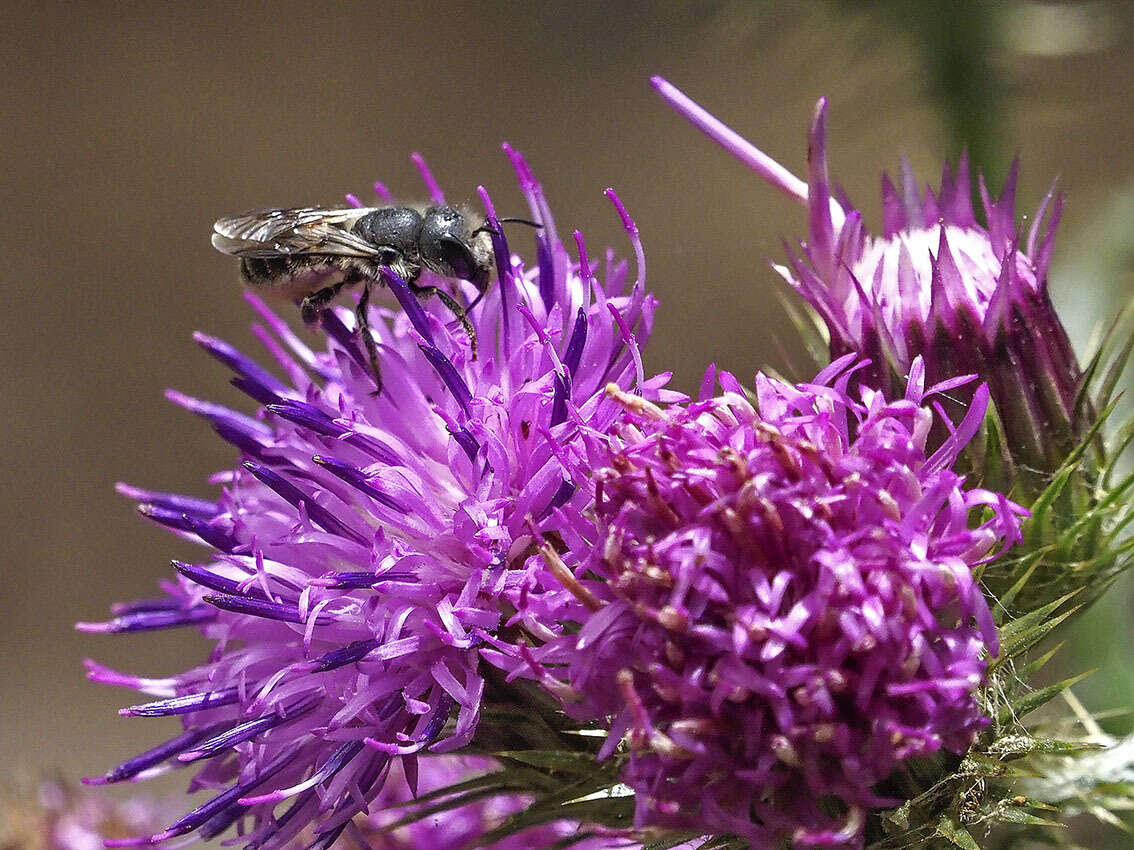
(315, 303)
(456, 309)
(368, 336)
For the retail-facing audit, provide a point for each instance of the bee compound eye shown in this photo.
(444, 243)
(459, 258)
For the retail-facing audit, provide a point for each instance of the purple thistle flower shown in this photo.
(785, 608)
(968, 298)
(68, 818)
(365, 545)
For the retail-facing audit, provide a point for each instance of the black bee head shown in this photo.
(449, 247)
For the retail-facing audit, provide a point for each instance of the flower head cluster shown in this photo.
(62, 817)
(787, 608)
(937, 284)
(362, 549)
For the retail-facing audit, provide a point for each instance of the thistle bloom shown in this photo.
(363, 548)
(68, 818)
(787, 609)
(967, 297)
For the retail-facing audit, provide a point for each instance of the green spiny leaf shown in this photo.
(1025, 566)
(1031, 701)
(1100, 350)
(1055, 747)
(1023, 746)
(956, 834)
(810, 327)
(1026, 630)
(1125, 515)
(1082, 402)
(1114, 371)
(498, 781)
(1089, 438)
(557, 760)
(1036, 664)
(900, 816)
(1116, 449)
(612, 811)
(1015, 814)
(1113, 497)
(990, 767)
(993, 464)
(1035, 635)
(1035, 526)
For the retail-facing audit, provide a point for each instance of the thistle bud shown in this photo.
(967, 297)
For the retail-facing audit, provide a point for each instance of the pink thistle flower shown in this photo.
(62, 817)
(969, 298)
(779, 607)
(364, 547)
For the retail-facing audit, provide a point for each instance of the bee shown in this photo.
(309, 254)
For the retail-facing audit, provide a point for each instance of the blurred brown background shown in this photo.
(128, 128)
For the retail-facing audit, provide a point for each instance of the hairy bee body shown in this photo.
(301, 250)
(300, 276)
(310, 253)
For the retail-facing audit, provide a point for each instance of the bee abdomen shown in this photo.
(265, 271)
(305, 274)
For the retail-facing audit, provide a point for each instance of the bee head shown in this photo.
(450, 247)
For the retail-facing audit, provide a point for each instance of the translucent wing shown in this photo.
(297, 230)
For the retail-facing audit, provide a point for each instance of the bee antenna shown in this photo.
(488, 228)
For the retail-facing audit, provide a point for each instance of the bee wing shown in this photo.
(297, 230)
